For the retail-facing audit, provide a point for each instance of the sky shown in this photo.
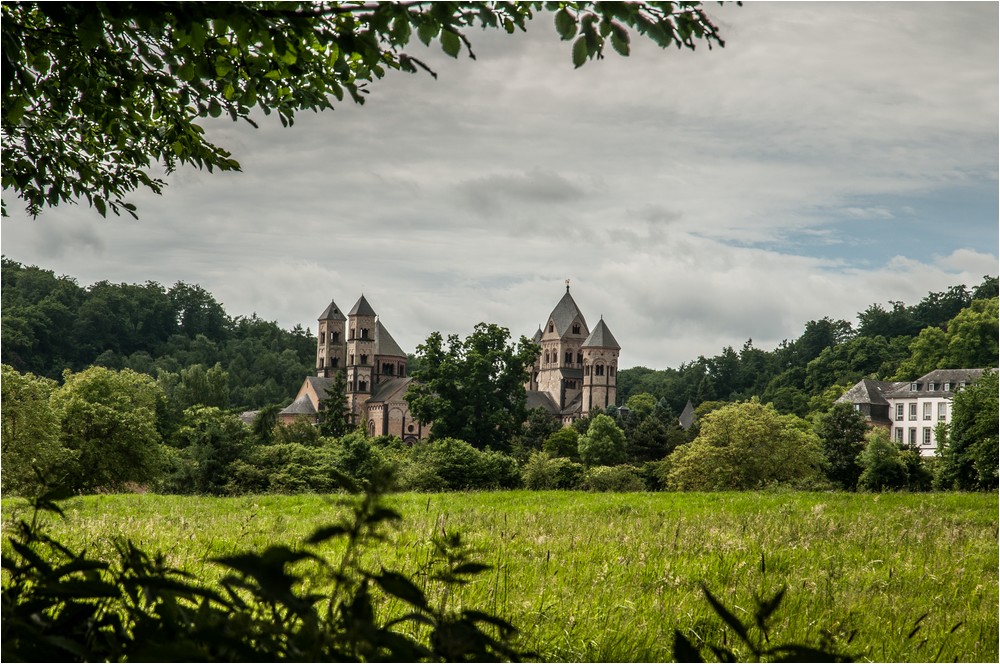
(831, 156)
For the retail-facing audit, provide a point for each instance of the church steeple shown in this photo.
(331, 341)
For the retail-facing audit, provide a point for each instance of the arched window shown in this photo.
(552, 327)
(546, 357)
(569, 357)
(579, 358)
(599, 370)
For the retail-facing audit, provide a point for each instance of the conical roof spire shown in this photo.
(332, 312)
(601, 337)
(565, 312)
(362, 308)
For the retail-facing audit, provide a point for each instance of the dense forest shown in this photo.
(51, 324)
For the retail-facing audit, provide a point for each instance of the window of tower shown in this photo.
(569, 357)
(586, 370)
(352, 359)
(546, 358)
(321, 363)
(362, 386)
(334, 362)
(552, 327)
(334, 337)
(599, 370)
(579, 358)
(364, 359)
(611, 371)
(364, 333)
(576, 328)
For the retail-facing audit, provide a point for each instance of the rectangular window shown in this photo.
(599, 370)
(899, 413)
(913, 411)
(947, 387)
(942, 410)
(927, 410)
(913, 436)
(927, 436)
(334, 337)
(914, 387)
(899, 434)
(569, 357)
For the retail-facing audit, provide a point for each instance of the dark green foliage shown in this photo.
(209, 441)
(181, 335)
(753, 641)
(842, 430)
(543, 472)
(473, 389)
(94, 93)
(613, 478)
(334, 415)
(539, 426)
(967, 447)
(603, 444)
(563, 443)
(882, 463)
(460, 466)
(61, 605)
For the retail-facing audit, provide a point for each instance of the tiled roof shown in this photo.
(301, 406)
(870, 391)
(332, 312)
(574, 406)
(601, 337)
(390, 390)
(564, 314)
(362, 308)
(541, 400)
(385, 344)
(938, 377)
(538, 335)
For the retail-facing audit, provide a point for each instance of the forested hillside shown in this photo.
(956, 328)
(51, 324)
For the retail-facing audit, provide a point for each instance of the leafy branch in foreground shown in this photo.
(96, 93)
(61, 605)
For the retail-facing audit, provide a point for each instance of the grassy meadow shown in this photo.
(608, 577)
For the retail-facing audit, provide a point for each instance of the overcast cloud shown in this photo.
(831, 156)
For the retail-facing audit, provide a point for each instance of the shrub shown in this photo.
(883, 465)
(461, 466)
(543, 472)
(563, 443)
(613, 478)
(603, 444)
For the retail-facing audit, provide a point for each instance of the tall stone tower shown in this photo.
(331, 342)
(600, 369)
(559, 367)
(360, 354)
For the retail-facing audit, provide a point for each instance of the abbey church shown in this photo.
(575, 372)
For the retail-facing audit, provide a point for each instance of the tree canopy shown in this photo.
(473, 389)
(94, 94)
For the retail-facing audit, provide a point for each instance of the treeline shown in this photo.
(956, 328)
(51, 324)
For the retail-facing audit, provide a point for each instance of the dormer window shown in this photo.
(947, 387)
(552, 327)
(914, 387)
(932, 387)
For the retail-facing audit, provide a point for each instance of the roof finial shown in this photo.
(567, 285)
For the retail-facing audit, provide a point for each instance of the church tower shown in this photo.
(360, 354)
(331, 342)
(559, 370)
(600, 369)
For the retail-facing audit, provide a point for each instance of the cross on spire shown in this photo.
(567, 285)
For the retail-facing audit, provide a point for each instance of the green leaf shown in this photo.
(565, 25)
(727, 617)
(100, 205)
(619, 39)
(580, 52)
(471, 568)
(399, 586)
(684, 650)
(450, 43)
(427, 31)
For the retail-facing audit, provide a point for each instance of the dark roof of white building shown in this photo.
(937, 378)
(871, 391)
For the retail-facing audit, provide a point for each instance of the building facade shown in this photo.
(910, 410)
(575, 373)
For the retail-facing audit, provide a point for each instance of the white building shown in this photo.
(911, 410)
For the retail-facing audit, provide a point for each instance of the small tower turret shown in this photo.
(331, 342)
(600, 369)
(360, 353)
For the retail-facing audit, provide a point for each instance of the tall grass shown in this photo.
(608, 577)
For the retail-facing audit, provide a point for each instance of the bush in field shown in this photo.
(613, 478)
(543, 472)
(882, 463)
(30, 436)
(603, 444)
(461, 466)
(746, 445)
(108, 418)
(208, 441)
(285, 468)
